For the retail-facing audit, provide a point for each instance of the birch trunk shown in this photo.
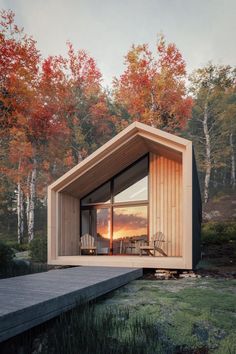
(32, 192)
(233, 177)
(20, 214)
(28, 200)
(208, 154)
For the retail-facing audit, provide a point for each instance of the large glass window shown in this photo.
(100, 195)
(129, 228)
(115, 215)
(103, 231)
(132, 184)
(96, 224)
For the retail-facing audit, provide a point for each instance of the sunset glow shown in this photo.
(127, 222)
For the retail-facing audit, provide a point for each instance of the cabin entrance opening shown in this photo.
(115, 215)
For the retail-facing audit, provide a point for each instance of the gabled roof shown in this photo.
(126, 147)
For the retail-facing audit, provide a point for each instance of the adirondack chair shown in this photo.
(87, 244)
(154, 245)
(130, 246)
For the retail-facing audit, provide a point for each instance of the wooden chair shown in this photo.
(87, 244)
(130, 247)
(154, 245)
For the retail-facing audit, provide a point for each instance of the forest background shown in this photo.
(55, 111)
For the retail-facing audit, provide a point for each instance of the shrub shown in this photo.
(218, 233)
(38, 249)
(6, 255)
(18, 246)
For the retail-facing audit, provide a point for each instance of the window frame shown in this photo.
(112, 204)
(112, 196)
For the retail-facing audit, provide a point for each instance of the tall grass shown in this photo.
(107, 331)
(95, 329)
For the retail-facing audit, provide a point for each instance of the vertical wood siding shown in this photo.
(166, 202)
(68, 219)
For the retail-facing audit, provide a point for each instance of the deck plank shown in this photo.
(29, 300)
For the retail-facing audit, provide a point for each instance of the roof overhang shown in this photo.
(118, 153)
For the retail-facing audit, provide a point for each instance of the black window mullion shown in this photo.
(111, 216)
(112, 191)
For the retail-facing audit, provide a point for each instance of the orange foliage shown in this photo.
(151, 89)
(54, 112)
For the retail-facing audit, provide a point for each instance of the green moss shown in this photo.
(191, 313)
(148, 317)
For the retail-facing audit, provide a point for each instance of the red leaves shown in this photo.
(55, 111)
(152, 89)
(83, 70)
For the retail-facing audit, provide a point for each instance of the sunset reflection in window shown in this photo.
(129, 221)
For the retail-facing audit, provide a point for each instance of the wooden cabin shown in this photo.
(134, 202)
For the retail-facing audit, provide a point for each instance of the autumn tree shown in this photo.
(53, 113)
(30, 117)
(228, 120)
(210, 128)
(87, 112)
(18, 71)
(152, 88)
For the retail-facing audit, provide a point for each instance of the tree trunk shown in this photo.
(224, 176)
(80, 157)
(28, 199)
(215, 174)
(32, 193)
(208, 154)
(20, 214)
(233, 177)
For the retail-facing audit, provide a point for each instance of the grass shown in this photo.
(145, 317)
(197, 314)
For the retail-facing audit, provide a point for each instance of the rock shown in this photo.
(201, 332)
(21, 262)
(165, 274)
(211, 215)
(188, 274)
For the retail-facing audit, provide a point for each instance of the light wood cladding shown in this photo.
(105, 169)
(159, 149)
(52, 225)
(127, 137)
(166, 202)
(124, 156)
(69, 227)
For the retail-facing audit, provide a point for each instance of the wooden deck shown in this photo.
(29, 300)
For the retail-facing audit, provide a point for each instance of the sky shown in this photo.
(203, 30)
(128, 221)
